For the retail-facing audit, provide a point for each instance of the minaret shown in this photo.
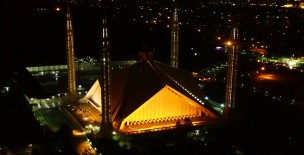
(174, 39)
(232, 67)
(105, 81)
(70, 58)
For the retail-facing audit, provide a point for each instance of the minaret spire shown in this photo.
(70, 56)
(174, 39)
(105, 82)
(232, 68)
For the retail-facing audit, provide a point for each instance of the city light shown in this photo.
(58, 9)
(228, 43)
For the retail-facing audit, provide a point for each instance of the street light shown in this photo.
(228, 43)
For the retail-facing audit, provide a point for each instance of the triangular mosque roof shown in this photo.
(134, 85)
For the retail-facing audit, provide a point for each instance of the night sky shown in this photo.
(15, 34)
(33, 37)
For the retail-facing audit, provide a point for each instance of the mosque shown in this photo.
(146, 96)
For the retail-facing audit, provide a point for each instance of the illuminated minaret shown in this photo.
(70, 57)
(105, 81)
(232, 68)
(174, 39)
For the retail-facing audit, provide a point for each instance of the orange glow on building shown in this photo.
(77, 133)
(301, 5)
(163, 110)
(259, 51)
(287, 5)
(266, 77)
(168, 105)
(170, 99)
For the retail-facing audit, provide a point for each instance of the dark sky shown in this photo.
(24, 36)
(31, 37)
(16, 15)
